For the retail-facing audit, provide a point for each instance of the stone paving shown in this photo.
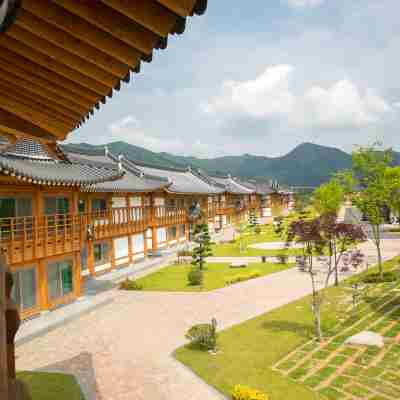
(124, 350)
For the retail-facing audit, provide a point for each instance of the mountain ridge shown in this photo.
(308, 164)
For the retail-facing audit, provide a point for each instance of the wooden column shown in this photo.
(130, 247)
(43, 285)
(77, 276)
(90, 257)
(3, 333)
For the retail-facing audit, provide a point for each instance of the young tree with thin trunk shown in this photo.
(373, 191)
(328, 198)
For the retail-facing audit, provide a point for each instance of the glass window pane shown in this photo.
(66, 276)
(28, 288)
(53, 277)
(7, 208)
(81, 206)
(62, 206)
(50, 205)
(24, 207)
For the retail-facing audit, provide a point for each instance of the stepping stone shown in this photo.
(239, 264)
(366, 338)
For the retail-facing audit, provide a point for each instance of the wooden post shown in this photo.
(3, 333)
(43, 285)
(77, 276)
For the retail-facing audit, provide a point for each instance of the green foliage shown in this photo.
(301, 202)
(388, 276)
(243, 277)
(203, 336)
(130, 285)
(195, 277)
(203, 246)
(257, 230)
(245, 393)
(328, 198)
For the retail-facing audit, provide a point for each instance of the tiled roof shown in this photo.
(132, 181)
(232, 186)
(261, 188)
(29, 161)
(184, 181)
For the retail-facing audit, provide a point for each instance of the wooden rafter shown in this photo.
(59, 59)
(74, 45)
(80, 29)
(150, 14)
(121, 27)
(56, 53)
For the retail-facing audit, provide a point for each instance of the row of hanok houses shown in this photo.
(66, 216)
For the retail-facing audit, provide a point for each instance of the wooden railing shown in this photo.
(164, 216)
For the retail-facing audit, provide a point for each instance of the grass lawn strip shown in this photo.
(173, 278)
(246, 356)
(51, 386)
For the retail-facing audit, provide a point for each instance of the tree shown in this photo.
(393, 176)
(339, 238)
(301, 202)
(370, 172)
(328, 198)
(308, 233)
(203, 246)
(315, 235)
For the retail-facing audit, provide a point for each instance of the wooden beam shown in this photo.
(74, 45)
(11, 87)
(181, 7)
(56, 66)
(3, 332)
(148, 13)
(82, 30)
(34, 103)
(29, 115)
(15, 63)
(14, 125)
(58, 54)
(52, 93)
(114, 23)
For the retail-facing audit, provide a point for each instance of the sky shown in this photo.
(260, 77)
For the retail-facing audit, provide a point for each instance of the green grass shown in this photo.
(50, 386)
(250, 350)
(174, 277)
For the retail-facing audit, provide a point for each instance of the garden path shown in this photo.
(123, 351)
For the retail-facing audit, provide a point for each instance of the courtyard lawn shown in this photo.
(250, 237)
(50, 386)
(174, 277)
(275, 352)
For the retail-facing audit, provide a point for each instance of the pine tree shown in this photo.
(203, 246)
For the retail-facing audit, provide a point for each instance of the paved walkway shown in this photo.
(122, 351)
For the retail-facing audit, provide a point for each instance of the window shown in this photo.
(172, 233)
(15, 207)
(24, 289)
(182, 230)
(59, 276)
(99, 204)
(56, 205)
(101, 253)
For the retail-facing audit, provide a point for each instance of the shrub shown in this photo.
(257, 230)
(203, 336)
(130, 285)
(245, 393)
(195, 277)
(243, 277)
(282, 258)
(388, 276)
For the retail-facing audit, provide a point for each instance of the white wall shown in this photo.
(138, 243)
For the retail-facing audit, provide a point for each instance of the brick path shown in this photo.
(123, 350)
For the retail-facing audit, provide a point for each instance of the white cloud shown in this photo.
(304, 3)
(270, 96)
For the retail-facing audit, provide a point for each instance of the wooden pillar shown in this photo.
(43, 285)
(112, 250)
(77, 276)
(4, 394)
(90, 257)
(154, 238)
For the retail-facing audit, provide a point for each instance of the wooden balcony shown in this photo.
(25, 239)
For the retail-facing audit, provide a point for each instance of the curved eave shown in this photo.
(192, 193)
(8, 170)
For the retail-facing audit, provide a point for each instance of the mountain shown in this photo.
(306, 165)
(134, 152)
